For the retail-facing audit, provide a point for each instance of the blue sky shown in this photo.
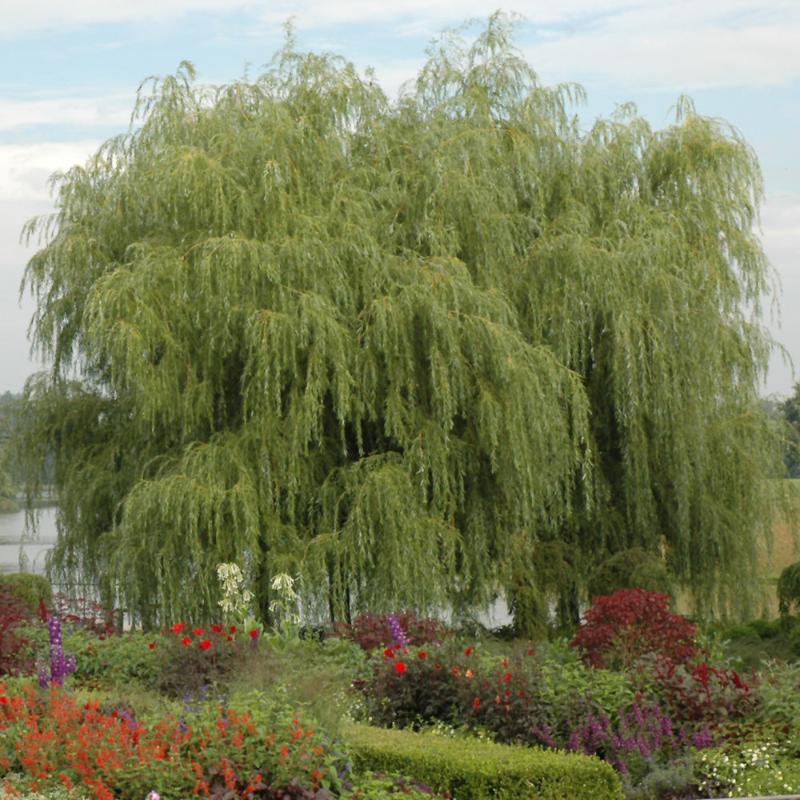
(69, 72)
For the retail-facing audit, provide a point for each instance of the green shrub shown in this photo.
(112, 661)
(756, 768)
(565, 678)
(634, 568)
(316, 674)
(30, 588)
(789, 588)
(777, 692)
(481, 770)
(753, 643)
(385, 787)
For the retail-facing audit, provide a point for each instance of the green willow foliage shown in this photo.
(416, 352)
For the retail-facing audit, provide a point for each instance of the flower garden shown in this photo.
(640, 703)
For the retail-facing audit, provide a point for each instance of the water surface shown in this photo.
(13, 540)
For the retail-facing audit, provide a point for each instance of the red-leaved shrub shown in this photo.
(699, 694)
(623, 627)
(370, 631)
(14, 612)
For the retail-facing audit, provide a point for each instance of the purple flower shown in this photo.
(703, 738)
(60, 665)
(396, 628)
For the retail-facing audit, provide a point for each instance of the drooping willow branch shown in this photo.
(403, 349)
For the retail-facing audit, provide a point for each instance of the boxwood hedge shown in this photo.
(478, 770)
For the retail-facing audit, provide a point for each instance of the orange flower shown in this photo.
(469, 673)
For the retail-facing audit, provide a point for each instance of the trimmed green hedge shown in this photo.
(477, 770)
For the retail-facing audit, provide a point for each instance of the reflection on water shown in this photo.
(12, 529)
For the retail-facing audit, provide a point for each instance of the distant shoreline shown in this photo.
(10, 505)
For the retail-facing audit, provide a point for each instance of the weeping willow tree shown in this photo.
(415, 351)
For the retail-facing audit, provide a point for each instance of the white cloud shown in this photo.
(26, 16)
(84, 111)
(781, 239)
(674, 58)
(25, 168)
(684, 44)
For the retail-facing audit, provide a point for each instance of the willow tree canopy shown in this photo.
(415, 351)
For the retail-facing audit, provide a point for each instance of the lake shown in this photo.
(12, 529)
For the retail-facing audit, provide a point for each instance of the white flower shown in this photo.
(284, 585)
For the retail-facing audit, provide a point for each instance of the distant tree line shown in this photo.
(787, 412)
(9, 404)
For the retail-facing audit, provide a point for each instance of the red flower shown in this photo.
(198, 631)
(254, 633)
(468, 651)
(216, 628)
(186, 641)
(152, 645)
(178, 627)
(400, 667)
(507, 677)
(232, 629)
(422, 654)
(476, 703)
(205, 644)
(388, 653)
(456, 671)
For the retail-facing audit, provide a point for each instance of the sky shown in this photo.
(69, 73)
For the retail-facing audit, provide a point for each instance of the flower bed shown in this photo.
(51, 738)
(212, 709)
